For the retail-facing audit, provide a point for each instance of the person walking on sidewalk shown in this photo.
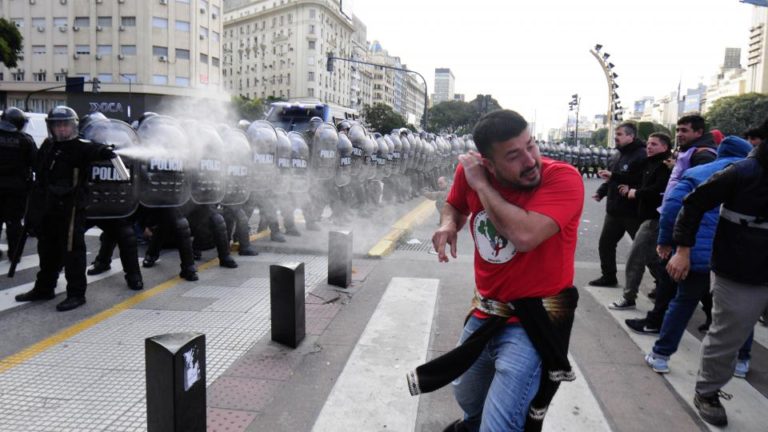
(620, 212)
(648, 198)
(524, 214)
(739, 264)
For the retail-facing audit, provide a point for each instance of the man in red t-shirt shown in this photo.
(524, 214)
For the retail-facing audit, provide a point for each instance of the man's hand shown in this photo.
(446, 234)
(680, 264)
(597, 197)
(663, 251)
(623, 190)
(474, 171)
(631, 193)
(604, 174)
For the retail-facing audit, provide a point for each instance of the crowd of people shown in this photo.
(193, 186)
(692, 211)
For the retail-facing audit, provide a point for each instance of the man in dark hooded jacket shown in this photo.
(621, 213)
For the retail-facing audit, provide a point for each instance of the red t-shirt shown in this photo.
(501, 272)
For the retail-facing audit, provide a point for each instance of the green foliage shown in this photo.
(11, 43)
(249, 109)
(600, 137)
(460, 117)
(382, 118)
(411, 127)
(733, 115)
(645, 129)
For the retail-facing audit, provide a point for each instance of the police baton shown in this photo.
(19, 250)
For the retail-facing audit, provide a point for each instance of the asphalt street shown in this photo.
(84, 370)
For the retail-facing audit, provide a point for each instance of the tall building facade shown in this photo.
(401, 90)
(444, 85)
(361, 87)
(146, 54)
(278, 48)
(757, 74)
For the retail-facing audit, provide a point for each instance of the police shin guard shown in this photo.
(219, 231)
(184, 234)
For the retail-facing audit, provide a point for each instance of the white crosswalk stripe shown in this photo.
(750, 404)
(371, 391)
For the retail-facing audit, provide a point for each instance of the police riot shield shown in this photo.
(282, 181)
(405, 153)
(263, 139)
(323, 160)
(360, 157)
(299, 163)
(382, 154)
(109, 194)
(238, 167)
(163, 180)
(344, 169)
(207, 169)
(395, 149)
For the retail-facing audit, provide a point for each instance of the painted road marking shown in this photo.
(371, 394)
(388, 243)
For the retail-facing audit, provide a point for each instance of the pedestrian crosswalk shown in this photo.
(748, 404)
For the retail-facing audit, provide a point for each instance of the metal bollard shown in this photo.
(286, 298)
(176, 382)
(340, 258)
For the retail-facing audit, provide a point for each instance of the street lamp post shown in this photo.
(329, 68)
(130, 82)
(575, 102)
(614, 106)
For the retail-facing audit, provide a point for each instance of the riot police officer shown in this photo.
(17, 154)
(57, 208)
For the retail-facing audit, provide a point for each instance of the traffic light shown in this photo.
(329, 63)
(96, 85)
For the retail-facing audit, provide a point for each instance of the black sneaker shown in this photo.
(603, 281)
(227, 262)
(710, 408)
(457, 426)
(149, 261)
(247, 252)
(35, 295)
(189, 274)
(641, 325)
(622, 304)
(98, 268)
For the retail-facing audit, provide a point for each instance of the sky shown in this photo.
(532, 55)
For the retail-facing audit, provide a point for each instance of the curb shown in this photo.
(402, 227)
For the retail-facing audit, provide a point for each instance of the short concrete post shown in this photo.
(340, 258)
(175, 366)
(286, 298)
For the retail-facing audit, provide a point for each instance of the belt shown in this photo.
(493, 307)
(743, 220)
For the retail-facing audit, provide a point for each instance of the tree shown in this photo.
(733, 115)
(10, 43)
(645, 129)
(382, 118)
(452, 117)
(600, 137)
(249, 109)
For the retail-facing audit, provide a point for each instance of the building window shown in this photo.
(38, 50)
(128, 21)
(82, 49)
(311, 44)
(160, 79)
(215, 36)
(128, 50)
(18, 22)
(60, 49)
(159, 51)
(312, 13)
(203, 58)
(290, 18)
(310, 76)
(59, 21)
(60, 77)
(182, 54)
(86, 77)
(215, 11)
(38, 76)
(182, 81)
(282, 20)
(17, 76)
(129, 77)
(104, 49)
(182, 26)
(274, 22)
(104, 21)
(161, 23)
(182, 1)
(215, 61)
(82, 21)
(105, 78)
(310, 91)
(311, 29)
(204, 31)
(38, 22)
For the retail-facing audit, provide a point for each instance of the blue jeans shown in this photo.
(680, 311)
(496, 392)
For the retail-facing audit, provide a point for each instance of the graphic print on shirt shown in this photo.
(491, 245)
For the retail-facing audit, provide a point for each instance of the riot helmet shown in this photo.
(90, 119)
(243, 125)
(147, 115)
(314, 123)
(344, 126)
(15, 116)
(62, 123)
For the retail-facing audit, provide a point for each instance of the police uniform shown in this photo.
(17, 155)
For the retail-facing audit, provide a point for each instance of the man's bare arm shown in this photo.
(451, 221)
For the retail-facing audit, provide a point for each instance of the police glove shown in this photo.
(108, 152)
